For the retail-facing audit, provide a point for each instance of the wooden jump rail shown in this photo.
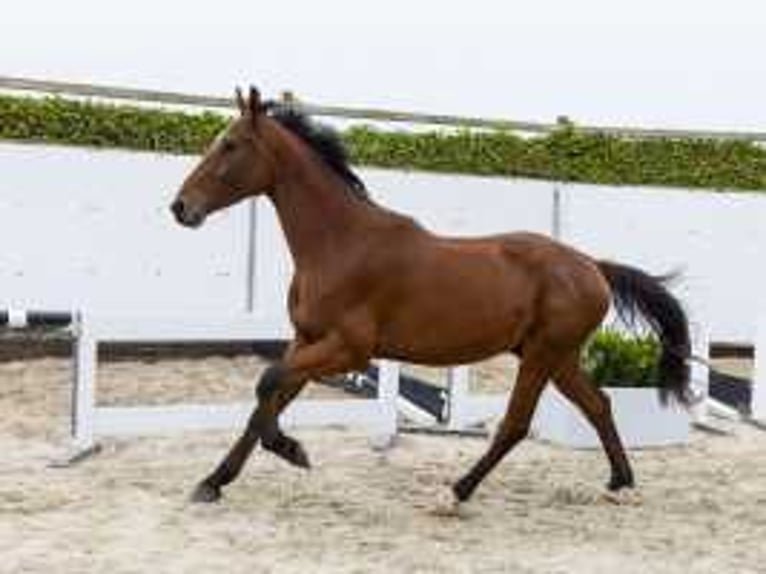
(30, 319)
(75, 89)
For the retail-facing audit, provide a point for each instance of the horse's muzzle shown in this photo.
(185, 215)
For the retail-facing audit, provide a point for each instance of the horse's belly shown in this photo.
(439, 356)
(459, 302)
(438, 332)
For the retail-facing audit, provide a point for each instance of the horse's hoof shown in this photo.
(206, 493)
(288, 449)
(619, 481)
(447, 504)
(462, 489)
(297, 456)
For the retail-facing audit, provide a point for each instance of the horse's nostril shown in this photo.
(187, 215)
(177, 207)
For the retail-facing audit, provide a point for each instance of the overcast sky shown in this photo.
(683, 63)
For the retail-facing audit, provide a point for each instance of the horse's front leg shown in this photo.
(278, 386)
(275, 391)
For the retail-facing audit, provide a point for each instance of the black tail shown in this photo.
(637, 293)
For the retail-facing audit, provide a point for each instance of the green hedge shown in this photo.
(617, 360)
(566, 155)
(80, 123)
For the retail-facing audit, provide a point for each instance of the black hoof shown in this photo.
(619, 482)
(462, 489)
(298, 456)
(289, 449)
(206, 493)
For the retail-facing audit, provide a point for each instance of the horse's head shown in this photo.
(237, 165)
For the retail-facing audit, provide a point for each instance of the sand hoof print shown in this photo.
(623, 497)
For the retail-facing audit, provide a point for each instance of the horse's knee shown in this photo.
(269, 383)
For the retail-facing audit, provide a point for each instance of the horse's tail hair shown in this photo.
(635, 292)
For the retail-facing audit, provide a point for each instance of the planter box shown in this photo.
(640, 418)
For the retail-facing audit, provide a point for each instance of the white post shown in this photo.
(700, 375)
(251, 288)
(458, 382)
(384, 430)
(556, 213)
(758, 403)
(84, 391)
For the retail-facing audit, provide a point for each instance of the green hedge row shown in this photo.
(570, 155)
(57, 120)
(565, 155)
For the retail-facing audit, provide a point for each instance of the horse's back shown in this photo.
(558, 286)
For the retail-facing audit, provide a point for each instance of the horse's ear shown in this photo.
(254, 101)
(241, 104)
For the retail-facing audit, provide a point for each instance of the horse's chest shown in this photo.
(314, 306)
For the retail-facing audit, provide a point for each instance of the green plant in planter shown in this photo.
(613, 359)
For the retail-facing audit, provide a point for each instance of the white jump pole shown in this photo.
(458, 381)
(90, 421)
(84, 388)
(383, 435)
(700, 376)
(758, 404)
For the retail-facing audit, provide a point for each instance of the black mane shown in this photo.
(324, 140)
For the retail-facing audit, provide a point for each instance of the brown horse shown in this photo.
(370, 283)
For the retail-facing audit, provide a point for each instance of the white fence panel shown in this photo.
(91, 421)
(91, 229)
(465, 205)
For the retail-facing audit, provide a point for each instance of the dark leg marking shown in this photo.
(270, 381)
(209, 490)
(596, 406)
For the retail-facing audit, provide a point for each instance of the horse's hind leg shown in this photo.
(595, 405)
(533, 375)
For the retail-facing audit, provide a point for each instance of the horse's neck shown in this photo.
(318, 216)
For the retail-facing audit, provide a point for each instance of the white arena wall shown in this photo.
(715, 240)
(90, 229)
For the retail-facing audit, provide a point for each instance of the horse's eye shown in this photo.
(228, 146)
